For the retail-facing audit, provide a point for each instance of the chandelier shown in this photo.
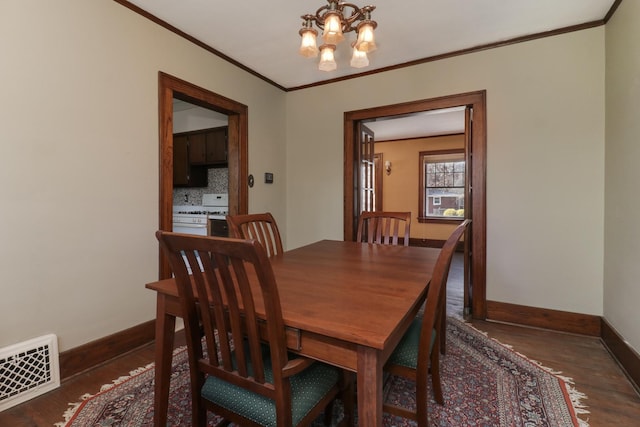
(336, 19)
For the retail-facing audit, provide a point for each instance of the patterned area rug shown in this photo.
(484, 384)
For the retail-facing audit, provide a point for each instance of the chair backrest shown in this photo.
(261, 227)
(384, 227)
(233, 282)
(434, 305)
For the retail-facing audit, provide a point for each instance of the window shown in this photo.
(442, 185)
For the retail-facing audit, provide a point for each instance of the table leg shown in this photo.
(369, 387)
(165, 331)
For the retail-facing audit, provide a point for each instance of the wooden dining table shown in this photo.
(343, 303)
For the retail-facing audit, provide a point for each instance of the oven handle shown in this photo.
(188, 225)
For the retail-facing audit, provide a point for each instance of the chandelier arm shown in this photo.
(318, 18)
(357, 14)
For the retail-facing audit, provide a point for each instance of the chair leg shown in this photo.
(435, 377)
(199, 413)
(348, 399)
(328, 413)
(443, 329)
(422, 403)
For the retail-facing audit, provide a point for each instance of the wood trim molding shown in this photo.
(195, 41)
(584, 324)
(91, 354)
(433, 243)
(170, 87)
(478, 175)
(612, 10)
(425, 243)
(627, 357)
(555, 320)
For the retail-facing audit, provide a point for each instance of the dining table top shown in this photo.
(350, 291)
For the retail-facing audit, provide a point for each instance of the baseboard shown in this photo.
(556, 320)
(626, 356)
(426, 243)
(89, 355)
(433, 243)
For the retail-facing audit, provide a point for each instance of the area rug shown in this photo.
(484, 383)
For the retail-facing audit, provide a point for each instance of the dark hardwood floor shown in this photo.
(611, 399)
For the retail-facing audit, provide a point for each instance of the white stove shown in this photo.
(191, 219)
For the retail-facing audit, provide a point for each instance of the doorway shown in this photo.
(475, 148)
(170, 87)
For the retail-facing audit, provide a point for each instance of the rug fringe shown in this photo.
(75, 406)
(576, 397)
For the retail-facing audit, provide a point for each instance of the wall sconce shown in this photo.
(387, 167)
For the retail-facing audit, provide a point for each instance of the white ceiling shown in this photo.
(263, 37)
(428, 123)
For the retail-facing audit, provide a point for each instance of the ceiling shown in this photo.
(427, 123)
(262, 37)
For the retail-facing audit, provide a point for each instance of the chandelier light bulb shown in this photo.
(366, 39)
(308, 47)
(327, 61)
(359, 58)
(332, 28)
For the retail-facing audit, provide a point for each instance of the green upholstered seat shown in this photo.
(307, 389)
(406, 352)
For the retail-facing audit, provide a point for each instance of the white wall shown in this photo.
(79, 162)
(622, 233)
(545, 177)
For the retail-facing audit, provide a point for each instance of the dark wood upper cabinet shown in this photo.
(216, 146)
(180, 161)
(197, 148)
(208, 147)
(196, 151)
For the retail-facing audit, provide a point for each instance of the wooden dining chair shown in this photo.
(384, 227)
(260, 226)
(418, 352)
(241, 369)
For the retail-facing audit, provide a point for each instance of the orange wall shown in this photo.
(400, 188)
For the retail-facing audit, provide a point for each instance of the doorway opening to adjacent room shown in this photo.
(475, 153)
(170, 88)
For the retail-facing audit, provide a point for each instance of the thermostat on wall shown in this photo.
(268, 178)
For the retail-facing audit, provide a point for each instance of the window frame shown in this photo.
(422, 214)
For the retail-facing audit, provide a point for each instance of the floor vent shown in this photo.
(28, 369)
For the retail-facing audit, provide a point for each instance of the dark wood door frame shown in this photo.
(478, 154)
(170, 87)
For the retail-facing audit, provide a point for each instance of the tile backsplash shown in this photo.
(218, 183)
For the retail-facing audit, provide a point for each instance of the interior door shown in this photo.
(377, 184)
(468, 124)
(366, 172)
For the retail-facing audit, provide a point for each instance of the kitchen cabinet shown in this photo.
(196, 151)
(184, 173)
(209, 147)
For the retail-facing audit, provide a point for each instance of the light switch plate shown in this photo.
(268, 178)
